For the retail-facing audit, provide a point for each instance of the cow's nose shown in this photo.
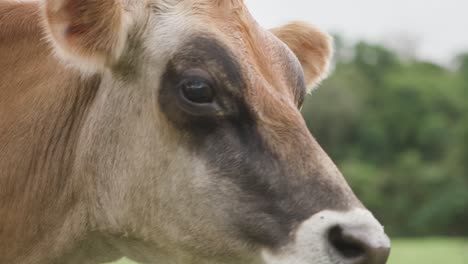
(352, 237)
(358, 245)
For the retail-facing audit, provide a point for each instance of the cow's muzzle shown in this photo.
(354, 237)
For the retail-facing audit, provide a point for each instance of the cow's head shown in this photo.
(194, 149)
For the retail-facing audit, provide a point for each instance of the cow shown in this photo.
(167, 131)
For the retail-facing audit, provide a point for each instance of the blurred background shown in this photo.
(394, 114)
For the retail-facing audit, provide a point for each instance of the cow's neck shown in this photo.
(42, 108)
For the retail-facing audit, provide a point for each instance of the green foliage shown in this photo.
(398, 129)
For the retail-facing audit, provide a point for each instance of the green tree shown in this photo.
(398, 128)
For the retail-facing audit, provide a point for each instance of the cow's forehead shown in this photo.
(266, 62)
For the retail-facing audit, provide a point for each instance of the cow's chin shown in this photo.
(314, 242)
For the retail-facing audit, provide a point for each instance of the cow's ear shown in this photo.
(87, 33)
(311, 46)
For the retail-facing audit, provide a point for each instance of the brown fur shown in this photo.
(43, 104)
(40, 111)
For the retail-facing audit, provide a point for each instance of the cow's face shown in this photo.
(195, 145)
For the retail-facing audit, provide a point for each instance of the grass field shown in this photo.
(421, 251)
(429, 251)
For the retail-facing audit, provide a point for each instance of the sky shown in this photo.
(434, 30)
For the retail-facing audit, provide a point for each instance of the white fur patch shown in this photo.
(311, 243)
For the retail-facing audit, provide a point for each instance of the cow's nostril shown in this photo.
(359, 246)
(347, 247)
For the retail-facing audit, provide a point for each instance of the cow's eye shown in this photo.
(197, 90)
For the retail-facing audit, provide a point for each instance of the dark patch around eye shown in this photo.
(203, 54)
(231, 145)
(212, 56)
